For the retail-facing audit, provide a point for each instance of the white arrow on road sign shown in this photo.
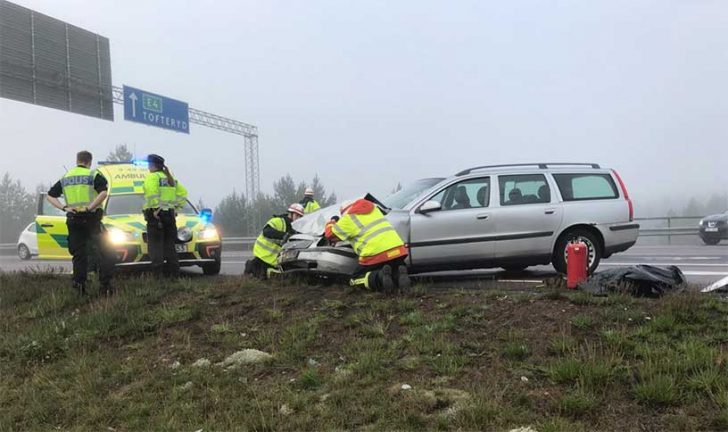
(133, 98)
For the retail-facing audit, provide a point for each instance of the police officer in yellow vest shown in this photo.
(308, 202)
(163, 196)
(380, 249)
(270, 241)
(84, 191)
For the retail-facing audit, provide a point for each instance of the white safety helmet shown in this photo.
(296, 208)
(308, 192)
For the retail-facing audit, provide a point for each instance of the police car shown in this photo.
(198, 242)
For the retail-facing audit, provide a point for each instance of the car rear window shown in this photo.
(579, 187)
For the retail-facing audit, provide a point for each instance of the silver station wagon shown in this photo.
(509, 216)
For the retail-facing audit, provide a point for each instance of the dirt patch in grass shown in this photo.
(450, 359)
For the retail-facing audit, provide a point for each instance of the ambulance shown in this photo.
(198, 242)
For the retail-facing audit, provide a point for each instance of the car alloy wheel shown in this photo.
(23, 252)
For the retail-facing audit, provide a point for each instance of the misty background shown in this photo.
(367, 95)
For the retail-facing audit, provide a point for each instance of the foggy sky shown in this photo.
(371, 93)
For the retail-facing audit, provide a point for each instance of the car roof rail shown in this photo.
(540, 165)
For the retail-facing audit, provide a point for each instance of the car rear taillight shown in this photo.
(626, 195)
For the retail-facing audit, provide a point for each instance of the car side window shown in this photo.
(473, 193)
(524, 189)
(31, 227)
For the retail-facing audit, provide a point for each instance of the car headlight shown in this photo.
(208, 233)
(118, 236)
(184, 234)
(701, 222)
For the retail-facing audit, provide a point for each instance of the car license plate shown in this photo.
(711, 230)
(179, 248)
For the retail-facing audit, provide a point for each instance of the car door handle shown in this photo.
(46, 225)
(550, 211)
(482, 216)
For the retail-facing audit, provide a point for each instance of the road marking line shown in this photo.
(704, 273)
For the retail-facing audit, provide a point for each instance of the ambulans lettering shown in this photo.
(130, 176)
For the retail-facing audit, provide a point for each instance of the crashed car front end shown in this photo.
(307, 254)
(311, 254)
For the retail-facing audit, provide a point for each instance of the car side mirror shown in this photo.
(430, 206)
(206, 215)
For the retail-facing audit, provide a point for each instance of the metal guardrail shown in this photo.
(669, 227)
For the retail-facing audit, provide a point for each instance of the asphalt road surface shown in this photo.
(701, 264)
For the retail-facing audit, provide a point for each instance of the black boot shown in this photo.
(403, 280)
(386, 284)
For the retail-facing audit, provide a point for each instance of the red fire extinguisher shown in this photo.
(577, 264)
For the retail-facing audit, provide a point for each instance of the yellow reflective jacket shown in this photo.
(311, 206)
(78, 186)
(369, 232)
(267, 249)
(159, 194)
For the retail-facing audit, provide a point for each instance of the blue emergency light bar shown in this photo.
(206, 215)
(136, 162)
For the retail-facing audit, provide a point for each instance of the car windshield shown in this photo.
(315, 223)
(133, 203)
(404, 196)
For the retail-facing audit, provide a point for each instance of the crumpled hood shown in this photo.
(135, 223)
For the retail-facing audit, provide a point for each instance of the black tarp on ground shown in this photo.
(640, 280)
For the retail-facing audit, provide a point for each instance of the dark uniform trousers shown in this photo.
(161, 238)
(84, 240)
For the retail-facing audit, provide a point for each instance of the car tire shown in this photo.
(711, 241)
(592, 241)
(514, 268)
(211, 269)
(23, 252)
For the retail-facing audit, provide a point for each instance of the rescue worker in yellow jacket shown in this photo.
(380, 249)
(270, 242)
(84, 191)
(163, 196)
(308, 202)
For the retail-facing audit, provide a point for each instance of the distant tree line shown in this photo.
(716, 203)
(17, 208)
(235, 212)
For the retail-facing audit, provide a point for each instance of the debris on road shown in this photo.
(639, 280)
(721, 285)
